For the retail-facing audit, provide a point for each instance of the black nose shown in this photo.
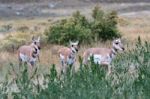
(77, 50)
(123, 48)
(39, 47)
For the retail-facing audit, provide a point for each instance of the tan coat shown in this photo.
(26, 50)
(102, 53)
(65, 51)
(27, 54)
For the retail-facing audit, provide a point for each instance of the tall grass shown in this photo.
(129, 79)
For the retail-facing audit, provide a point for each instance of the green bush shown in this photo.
(102, 27)
(75, 28)
(11, 42)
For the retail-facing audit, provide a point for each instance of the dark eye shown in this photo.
(117, 43)
(72, 45)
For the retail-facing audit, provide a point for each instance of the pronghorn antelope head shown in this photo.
(117, 45)
(74, 46)
(36, 42)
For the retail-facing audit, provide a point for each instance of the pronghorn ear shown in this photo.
(33, 38)
(70, 42)
(116, 39)
(39, 38)
(77, 42)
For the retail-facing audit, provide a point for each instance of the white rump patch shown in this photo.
(25, 58)
(70, 61)
(62, 57)
(99, 59)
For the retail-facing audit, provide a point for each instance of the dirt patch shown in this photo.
(64, 8)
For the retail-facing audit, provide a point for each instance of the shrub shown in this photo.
(12, 41)
(5, 28)
(23, 28)
(102, 27)
(75, 28)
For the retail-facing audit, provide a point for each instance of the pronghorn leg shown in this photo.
(20, 63)
(84, 61)
(73, 68)
(65, 68)
(30, 68)
(109, 69)
(62, 66)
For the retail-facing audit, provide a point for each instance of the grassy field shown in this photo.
(129, 79)
(130, 29)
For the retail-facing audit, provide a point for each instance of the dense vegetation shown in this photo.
(130, 79)
(102, 26)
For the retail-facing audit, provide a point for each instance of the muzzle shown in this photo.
(76, 50)
(123, 48)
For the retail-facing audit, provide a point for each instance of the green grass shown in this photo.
(129, 79)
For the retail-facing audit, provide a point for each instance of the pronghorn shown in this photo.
(68, 55)
(103, 56)
(29, 53)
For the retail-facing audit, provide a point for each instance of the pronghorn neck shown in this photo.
(115, 50)
(73, 51)
(113, 53)
(34, 46)
(35, 50)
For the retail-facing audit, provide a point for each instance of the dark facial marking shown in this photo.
(39, 47)
(76, 49)
(33, 55)
(123, 48)
(35, 43)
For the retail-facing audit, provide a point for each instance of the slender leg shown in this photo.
(62, 66)
(109, 69)
(65, 68)
(84, 61)
(30, 68)
(20, 63)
